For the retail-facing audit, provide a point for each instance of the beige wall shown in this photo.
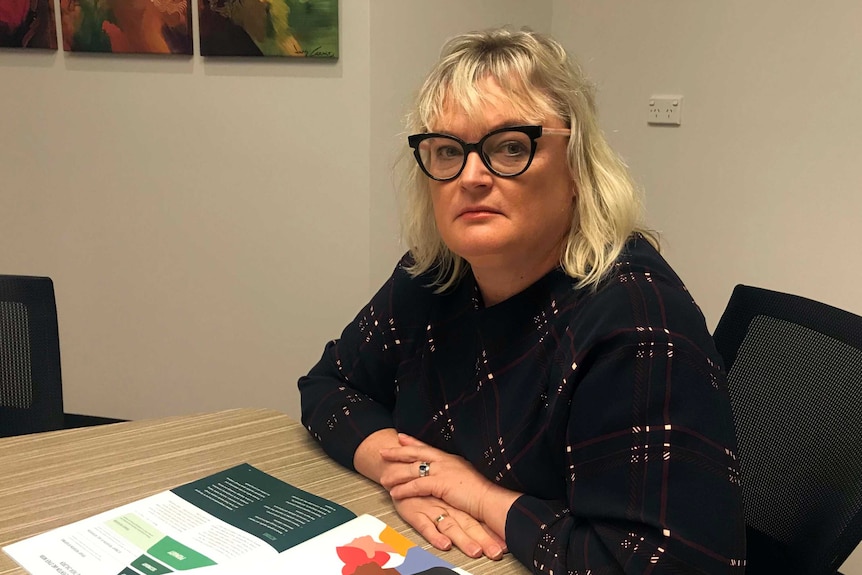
(762, 182)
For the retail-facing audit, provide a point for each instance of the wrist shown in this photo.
(367, 459)
(494, 507)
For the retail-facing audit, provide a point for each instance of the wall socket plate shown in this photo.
(665, 110)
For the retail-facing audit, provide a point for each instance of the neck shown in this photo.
(499, 280)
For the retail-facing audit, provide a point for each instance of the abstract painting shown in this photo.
(298, 28)
(127, 26)
(27, 24)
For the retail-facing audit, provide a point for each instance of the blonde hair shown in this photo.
(542, 81)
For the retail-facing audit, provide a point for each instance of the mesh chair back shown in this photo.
(795, 380)
(31, 396)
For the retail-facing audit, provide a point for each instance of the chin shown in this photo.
(478, 243)
(474, 253)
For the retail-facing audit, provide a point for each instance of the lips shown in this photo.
(477, 210)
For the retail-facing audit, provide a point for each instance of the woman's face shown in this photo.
(488, 220)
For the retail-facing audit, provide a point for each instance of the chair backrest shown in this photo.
(31, 391)
(795, 380)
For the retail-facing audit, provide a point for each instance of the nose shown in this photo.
(475, 172)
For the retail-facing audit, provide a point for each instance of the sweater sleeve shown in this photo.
(652, 480)
(350, 393)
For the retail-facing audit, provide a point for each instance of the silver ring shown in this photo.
(440, 518)
(424, 468)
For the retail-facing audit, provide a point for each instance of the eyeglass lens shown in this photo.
(506, 153)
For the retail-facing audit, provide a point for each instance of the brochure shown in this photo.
(238, 521)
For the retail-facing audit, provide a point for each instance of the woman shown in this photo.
(533, 377)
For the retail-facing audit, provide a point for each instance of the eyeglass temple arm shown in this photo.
(556, 131)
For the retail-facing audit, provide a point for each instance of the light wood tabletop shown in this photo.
(51, 479)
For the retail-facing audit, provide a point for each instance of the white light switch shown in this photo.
(665, 110)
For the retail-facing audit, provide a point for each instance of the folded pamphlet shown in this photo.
(236, 522)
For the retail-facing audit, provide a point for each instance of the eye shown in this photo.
(513, 148)
(448, 151)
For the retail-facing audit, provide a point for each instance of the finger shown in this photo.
(428, 529)
(405, 439)
(492, 546)
(408, 453)
(451, 528)
(398, 474)
(416, 487)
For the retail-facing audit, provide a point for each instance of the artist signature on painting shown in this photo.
(317, 53)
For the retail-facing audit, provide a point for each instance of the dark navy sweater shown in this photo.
(606, 408)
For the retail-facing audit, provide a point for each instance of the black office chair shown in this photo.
(31, 390)
(795, 379)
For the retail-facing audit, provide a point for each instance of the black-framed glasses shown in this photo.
(506, 152)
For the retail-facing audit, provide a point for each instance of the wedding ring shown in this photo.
(440, 518)
(424, 468)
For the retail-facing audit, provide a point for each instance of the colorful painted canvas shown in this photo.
(300, 28)
(27, 24)
(127, 26)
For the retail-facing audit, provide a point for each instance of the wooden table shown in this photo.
(51, 479)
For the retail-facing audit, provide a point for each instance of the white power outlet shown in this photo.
(665, 110)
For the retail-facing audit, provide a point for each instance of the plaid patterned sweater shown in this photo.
(607, 409)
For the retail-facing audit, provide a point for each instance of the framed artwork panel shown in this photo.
(27, 24)
(291, 28)
(127, 26)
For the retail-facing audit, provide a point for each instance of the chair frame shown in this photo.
(46, 410)
(747, 303)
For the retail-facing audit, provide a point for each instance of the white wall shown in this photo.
(210, 224)
(761, 184)
(205, 222)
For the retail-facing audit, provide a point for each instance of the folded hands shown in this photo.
(449, 502)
